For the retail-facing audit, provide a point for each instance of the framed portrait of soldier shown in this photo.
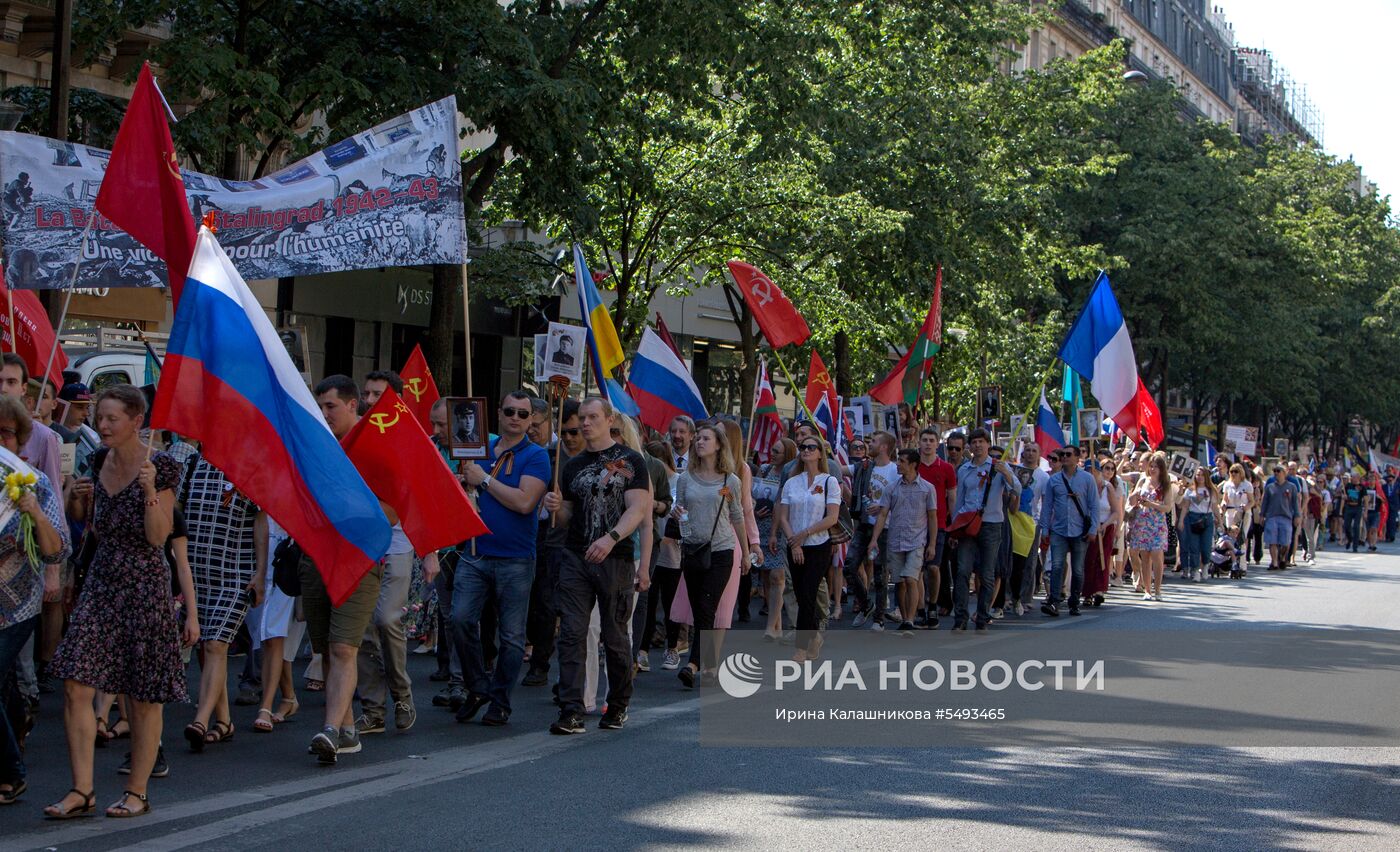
(989, 404)
(1090, 424)
(293, 338)
(466, 426)
(1281, 447)
(889, 416)
(564, 352)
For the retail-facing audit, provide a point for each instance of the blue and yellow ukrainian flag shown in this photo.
(604, 348)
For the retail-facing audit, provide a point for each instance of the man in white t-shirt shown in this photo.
(883, 475)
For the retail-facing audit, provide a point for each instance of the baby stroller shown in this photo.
(1224, 556)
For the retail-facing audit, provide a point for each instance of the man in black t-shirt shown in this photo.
(604, 495)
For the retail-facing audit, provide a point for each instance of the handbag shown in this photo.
(286, 567)
(697, 553)
(840, 532)
(969, 524)
(87, 551)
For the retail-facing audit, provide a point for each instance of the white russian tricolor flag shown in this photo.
(661, 385)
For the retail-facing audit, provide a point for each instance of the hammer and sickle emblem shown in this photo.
(174, 166)
(762, 289)
(382, 421)
(824, 378)
(415, 387)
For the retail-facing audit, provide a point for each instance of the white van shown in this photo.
(103, 357)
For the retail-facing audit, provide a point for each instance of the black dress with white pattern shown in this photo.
(220, 522)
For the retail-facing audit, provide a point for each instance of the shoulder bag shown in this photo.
(1083, 516)
(969, 524)
(696, 554)
(840, 532)
(286, 567)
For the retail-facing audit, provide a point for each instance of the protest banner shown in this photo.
(1245, 438)
(389, 196)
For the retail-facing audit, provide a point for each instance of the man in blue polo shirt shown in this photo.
(500, 567)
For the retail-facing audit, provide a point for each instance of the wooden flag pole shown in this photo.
(67, 300)
(559, 392)
(753, 412)
(792, 383)
(467, 327)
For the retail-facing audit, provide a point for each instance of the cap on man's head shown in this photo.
(75, 392)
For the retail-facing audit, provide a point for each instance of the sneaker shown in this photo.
(877, 626)
(456, 697)
(1019, 609)
(471, 706)
(536, 677)
(366, 725)
(860, 618)
(960, 625)
(160, 769)
(671, 661)
(495, 717)
(1074, 610)
(1157, 597)
(997, 612)
(325, 746)
(443, 697)
(1050, 609)
(643, 661)
(248, 695)
(405, 714)
(906, 628)
(614, 719)
(931, 623)
(349, 741)
(568, 723)
(1147, 596)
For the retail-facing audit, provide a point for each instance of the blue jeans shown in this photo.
(507, 582)
(1195, 547)
(12, 640)
(1076, 548)
(978, 554)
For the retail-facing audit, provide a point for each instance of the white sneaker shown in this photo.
(1157, 597)
(1200, 575)
(858, 620)
(671, 661)
(643, 662)
(877, 626)
(1019, 609)
(1147, 596)
(997, 612)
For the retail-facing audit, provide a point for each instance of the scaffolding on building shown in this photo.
(1271, 103)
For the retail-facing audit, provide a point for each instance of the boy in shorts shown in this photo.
(908, 510)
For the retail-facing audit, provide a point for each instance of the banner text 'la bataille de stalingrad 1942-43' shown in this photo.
(389, 196)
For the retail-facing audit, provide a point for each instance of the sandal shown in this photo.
(261, 725)
(10, 796)
(280, 716)
(195, 734)
(58, 811)
(315, 685)
(121, 730)
(104, 736)
(219, 732)
(120, 810)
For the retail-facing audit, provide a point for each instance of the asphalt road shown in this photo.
(445, 785)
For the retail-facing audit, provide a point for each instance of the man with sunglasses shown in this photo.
(982, 484)
(540, 623)
(500, 567)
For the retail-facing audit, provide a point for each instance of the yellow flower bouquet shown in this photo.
(17, 484)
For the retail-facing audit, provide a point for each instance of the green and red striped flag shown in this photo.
(908, 376)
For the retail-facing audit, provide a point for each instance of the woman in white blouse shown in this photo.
(811, 499)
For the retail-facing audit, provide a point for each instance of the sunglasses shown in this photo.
(570, 432)
(517, 413)
(809, 448)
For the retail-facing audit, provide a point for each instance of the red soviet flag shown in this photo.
(819, 384)
(777, 318)
(35, 339)
(142, 191)
(419, 389)
(1149, 418)
(403, 468)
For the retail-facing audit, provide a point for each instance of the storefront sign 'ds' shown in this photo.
(390, 196)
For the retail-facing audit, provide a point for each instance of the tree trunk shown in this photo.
(842, 351)
(442, 319)
(1162, 401)
(1196, 403)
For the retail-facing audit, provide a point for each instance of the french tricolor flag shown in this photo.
(1098, 348)
(229, 383)
(661, 385)
(1048, 434)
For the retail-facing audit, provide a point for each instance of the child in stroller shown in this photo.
(1224, 555)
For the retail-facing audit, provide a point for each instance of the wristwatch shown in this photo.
(613, 534)
(486, 483)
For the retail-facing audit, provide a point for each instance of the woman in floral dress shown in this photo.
(1147, 540)
(124, 636)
